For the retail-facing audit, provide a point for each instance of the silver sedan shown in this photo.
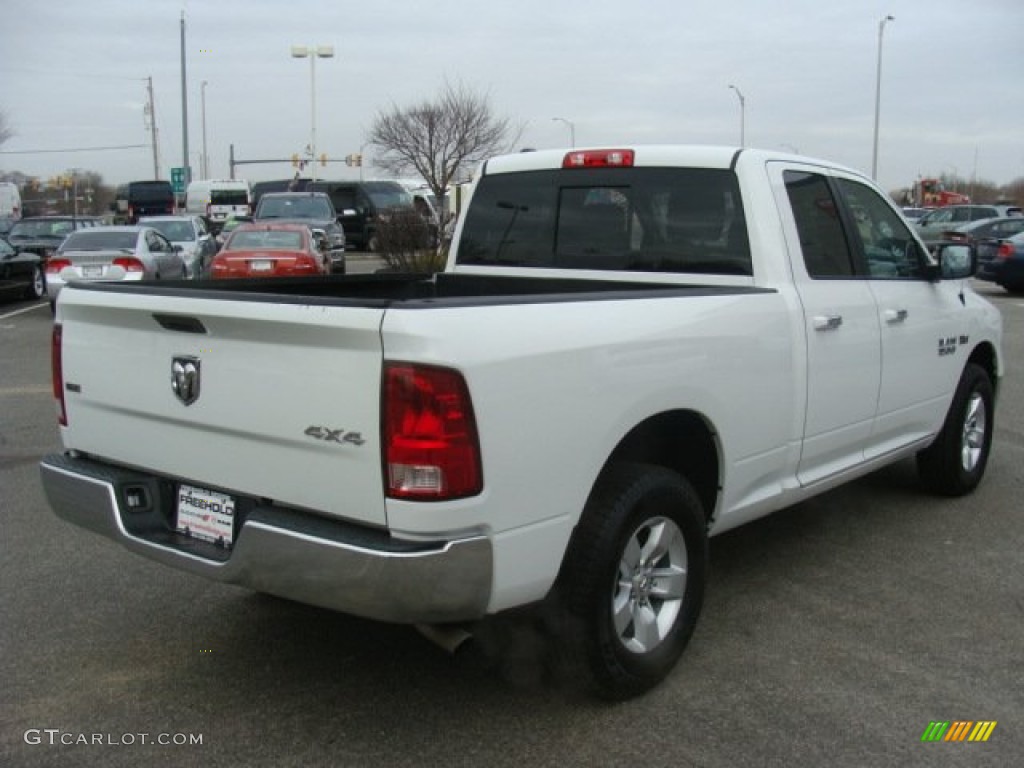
(197, 244)
(113, 253)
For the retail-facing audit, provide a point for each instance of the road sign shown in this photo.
(180, 178)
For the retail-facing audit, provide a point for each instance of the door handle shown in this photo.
(827, 322)
(895, 315)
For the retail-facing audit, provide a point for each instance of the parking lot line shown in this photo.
(21, 311)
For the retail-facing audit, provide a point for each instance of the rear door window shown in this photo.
(686, 220)
(823, 241)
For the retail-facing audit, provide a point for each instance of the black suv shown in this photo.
(142, 198)
(361, 204)
(313, 209)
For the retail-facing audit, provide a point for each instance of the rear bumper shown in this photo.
(282, 551)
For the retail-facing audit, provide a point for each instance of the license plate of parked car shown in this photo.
(92, 271)
(205, 515)
(261, 265)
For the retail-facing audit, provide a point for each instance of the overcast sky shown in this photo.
(72, 76)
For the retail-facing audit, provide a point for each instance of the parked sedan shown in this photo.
(1002, 262)
(113, 253)
(913, 215)
(21, 273)
(270, 250)
(190, 232)
(44, 234)
(934, 223)
(998, 229)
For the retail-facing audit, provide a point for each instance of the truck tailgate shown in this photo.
(286, 398)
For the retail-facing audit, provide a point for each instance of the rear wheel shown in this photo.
(955, 463)
(632, 584)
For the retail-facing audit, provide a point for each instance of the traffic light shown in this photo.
(323, 159)
(354, 159)
(295, 160)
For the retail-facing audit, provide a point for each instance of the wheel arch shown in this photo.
(682, 441)
(985, 356)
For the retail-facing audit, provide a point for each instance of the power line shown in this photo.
(76, 74)
(77, 149)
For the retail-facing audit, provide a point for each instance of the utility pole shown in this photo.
(204, 163)
(184, 106)
(151, 113)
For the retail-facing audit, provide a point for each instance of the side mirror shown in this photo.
(955, 261)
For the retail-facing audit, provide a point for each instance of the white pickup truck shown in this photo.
(629, 350)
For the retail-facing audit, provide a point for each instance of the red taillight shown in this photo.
(599, 158)
(54, 266)
(57, 373)
(1005, 251)
(431, 450)
(129, 264)
(954, 237)
(305, 264)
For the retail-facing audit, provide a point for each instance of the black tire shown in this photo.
(955, 463)
(36, 289)
(609, 579)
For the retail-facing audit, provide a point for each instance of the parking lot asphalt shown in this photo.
(833, 634)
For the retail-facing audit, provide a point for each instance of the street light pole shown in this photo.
(572, 130)
(878, 97)
(743, 116)
(313, 53)
(206, 158)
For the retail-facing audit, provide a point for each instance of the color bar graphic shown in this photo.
(959, 730)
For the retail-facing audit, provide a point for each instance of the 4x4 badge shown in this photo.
(185, 378)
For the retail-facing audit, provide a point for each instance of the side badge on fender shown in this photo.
(185, 378)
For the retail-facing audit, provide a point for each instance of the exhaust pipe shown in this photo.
(448, 637)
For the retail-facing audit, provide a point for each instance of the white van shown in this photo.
(10, 200)
(218, 199)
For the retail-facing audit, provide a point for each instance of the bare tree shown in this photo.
(439, 138)
(5, 129)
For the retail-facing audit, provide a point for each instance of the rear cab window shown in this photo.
(677, 220)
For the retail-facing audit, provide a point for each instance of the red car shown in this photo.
(270, 250)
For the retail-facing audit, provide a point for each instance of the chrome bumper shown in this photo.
(289, 553)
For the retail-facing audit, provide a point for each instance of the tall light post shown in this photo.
(743, 116)
(572, 130)
(313, 53)
(205, 164)
(878, 96)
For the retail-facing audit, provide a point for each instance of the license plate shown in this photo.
(92, 271)
(261, 266)
(206, 515)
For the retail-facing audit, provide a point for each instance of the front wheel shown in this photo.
(632, 583)
(955, 463)
(36, 288)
